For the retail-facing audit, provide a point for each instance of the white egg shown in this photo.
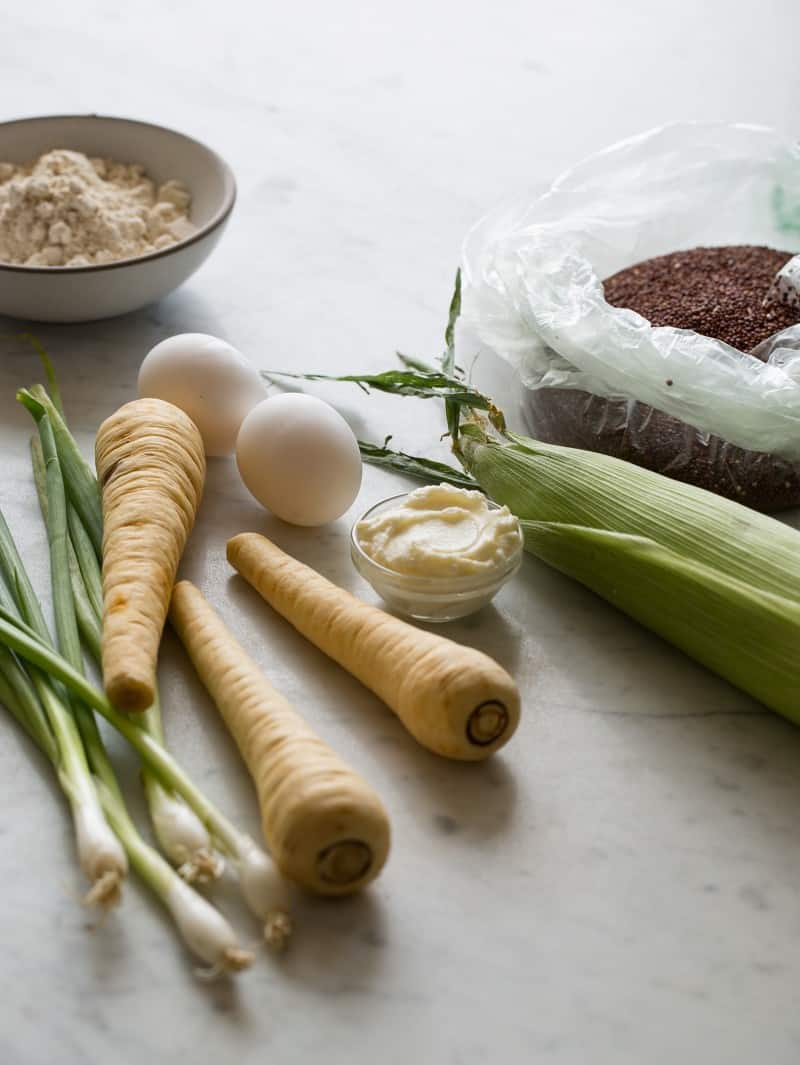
(208, 379)
(299, 458)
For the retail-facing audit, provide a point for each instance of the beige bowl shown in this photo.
(85, 293)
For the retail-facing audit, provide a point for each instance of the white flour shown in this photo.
(68, 210)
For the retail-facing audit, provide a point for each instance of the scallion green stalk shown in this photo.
(17, 694)
(79, 479)
(87, 616)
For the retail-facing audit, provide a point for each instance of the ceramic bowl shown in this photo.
(86, 293)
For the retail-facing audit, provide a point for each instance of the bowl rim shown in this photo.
(217, 219)
(444, 585)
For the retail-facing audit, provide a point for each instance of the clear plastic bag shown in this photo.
(532, 294)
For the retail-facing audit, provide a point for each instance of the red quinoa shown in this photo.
(715, 291)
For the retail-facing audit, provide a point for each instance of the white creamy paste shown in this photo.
(441, 531)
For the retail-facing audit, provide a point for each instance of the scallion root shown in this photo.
(100, 852)
(202, 868)
(278, 929)
(105, 892)
(234, 961)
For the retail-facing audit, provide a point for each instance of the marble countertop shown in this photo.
(622, 884)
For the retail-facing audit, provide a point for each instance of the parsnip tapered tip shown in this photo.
(130, 694)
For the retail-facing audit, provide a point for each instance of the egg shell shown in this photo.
(208, 379)
(299, 458)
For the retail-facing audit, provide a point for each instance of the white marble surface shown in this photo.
(623, 884)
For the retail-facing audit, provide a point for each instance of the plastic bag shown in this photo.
(532, 294)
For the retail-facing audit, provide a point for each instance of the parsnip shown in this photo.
(454, 700)
(325, 826)
(151, 468)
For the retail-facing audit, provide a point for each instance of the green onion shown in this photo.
(100, 855)
(262, 889)
(82, 550)
(180, 833)
(79, 479)
(86, 614)
(203, 928)
(80, 749)
(18, 695)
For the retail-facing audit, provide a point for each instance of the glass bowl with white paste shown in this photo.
(100, 216)
(437, 553)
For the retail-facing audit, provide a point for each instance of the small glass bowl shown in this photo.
(435, 599)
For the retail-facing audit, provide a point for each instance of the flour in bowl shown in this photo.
(66, 209)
